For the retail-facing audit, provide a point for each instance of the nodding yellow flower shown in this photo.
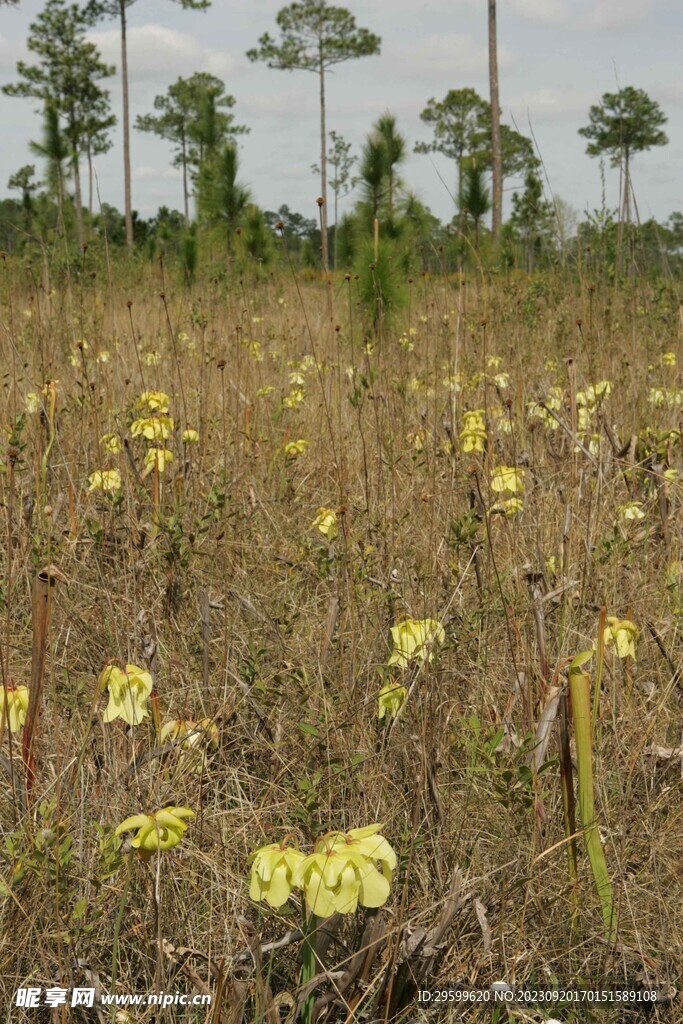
(406, 342)
(161, 830)
(501, 419)
(413, 640)
(103, 356)
(293, 449)
(294, 398)
(111, 443)
(129, 690)
(266, 390)
(472, 441)
(297, 379)
(272, 873)
(152, 358)
(342, 872)
(155, 401)
(14, 705)
(32, 402)
(502, 380)
(190, 435)
(326, 522)
(583, 419)
(493, 362)
(474, 420)
(105, 480)
(622, 633)
(554, 399)
(507, 478)
(154, 428)
(158, 457)
(632, 510)
(372, 844)
(391, 699)
(508, 506)
(668, 359)
(194, 738)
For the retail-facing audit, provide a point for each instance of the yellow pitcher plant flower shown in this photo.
(154, 428)
(668, 359)
(129, 690)
(14, 705)
(413, 640)
(190, 435)
(342, 872)
(159, 457)
(293, 449)
(391, 699)
(622, 633)
(111, 443)
(474, 420)
(369, 841)
(295, 397)
(194, 739)
(472, 441)
(326, 523)
(155, 401)
(161, 830)
(507, 478)
(632, 510)
(272, 873)
(105, 480)
(508, 506)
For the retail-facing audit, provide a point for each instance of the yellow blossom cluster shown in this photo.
(344, 869)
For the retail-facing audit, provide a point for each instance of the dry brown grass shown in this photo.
(300, 746)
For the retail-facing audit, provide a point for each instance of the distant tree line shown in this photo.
(195, 116)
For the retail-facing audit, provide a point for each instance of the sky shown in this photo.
(556, 58)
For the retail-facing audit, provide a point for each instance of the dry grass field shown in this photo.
(551, 515)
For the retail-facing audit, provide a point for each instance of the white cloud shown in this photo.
(145, 173)
(545, 12)
(280, 102)
(156, 52)
(548, 104)
(448, 55)
(611, 14)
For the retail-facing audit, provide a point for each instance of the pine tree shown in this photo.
(182, 111)
(66, 80)
(117, 9)
(314, 36)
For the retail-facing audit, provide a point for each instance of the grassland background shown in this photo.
(298, 633)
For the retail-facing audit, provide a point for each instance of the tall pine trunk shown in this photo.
(496, 161)
(186, 197)
(323, 169)
(90, 186)
(126, 130)
(78, 198)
